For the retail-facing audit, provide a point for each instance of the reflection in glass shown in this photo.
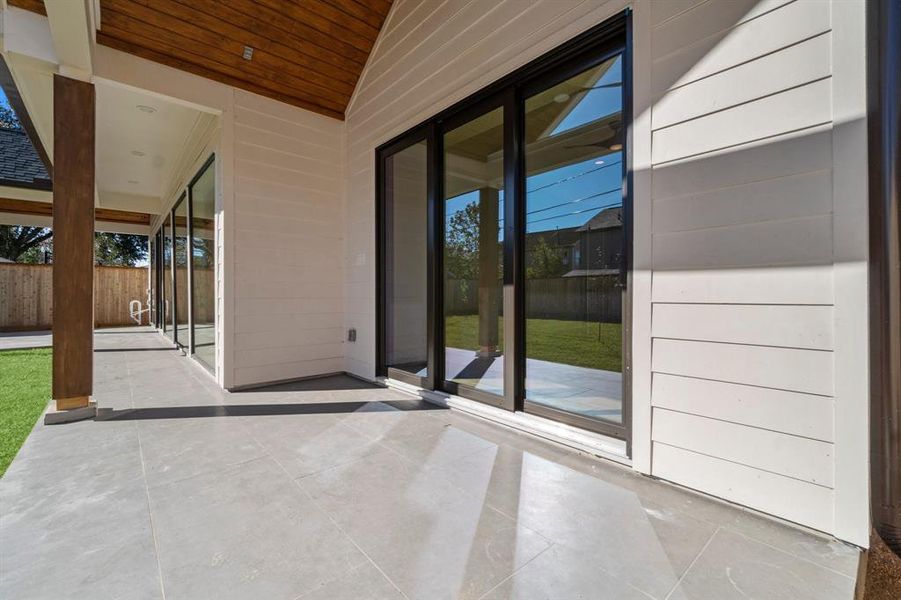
(181, 272)
(153, 294)
(203, 252)
(168, 306)
(473, 260)
(574, 244)
(406, 227)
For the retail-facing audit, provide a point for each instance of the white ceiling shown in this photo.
(124, 131)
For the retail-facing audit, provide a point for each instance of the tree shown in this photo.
(22, 244)
(461, 247)
(119, 249)
(8, 118)
(544, 261)
(35, 245)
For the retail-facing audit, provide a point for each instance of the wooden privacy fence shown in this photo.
(26, 296)
(596, 298)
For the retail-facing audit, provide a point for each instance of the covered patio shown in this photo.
(333, 488)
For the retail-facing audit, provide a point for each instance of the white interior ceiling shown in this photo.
(140, 139)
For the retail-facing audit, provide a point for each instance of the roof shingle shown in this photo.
(20, 165)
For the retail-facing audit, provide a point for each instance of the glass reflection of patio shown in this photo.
(593, 393)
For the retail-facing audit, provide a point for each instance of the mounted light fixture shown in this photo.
(248, 53)
(561, 98)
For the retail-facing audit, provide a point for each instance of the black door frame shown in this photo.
(613, 37)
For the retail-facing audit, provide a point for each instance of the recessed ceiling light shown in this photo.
(248, 53)
(561, 98)
(598, 162)
(137, 153)
(616, 147)
(133, 181)
(147, 109)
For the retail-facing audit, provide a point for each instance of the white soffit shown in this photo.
(140, 138)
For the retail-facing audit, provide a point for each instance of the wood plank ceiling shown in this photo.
(308, 53)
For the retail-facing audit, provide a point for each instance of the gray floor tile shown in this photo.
(432, 538)
(306, 444)
(180, 448)
(365, 582)
(645, 545)
(561, 573)
(734, 566)
(249, 532)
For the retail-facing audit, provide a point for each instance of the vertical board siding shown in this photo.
(736, 171)
(26, 296)
(288, 242)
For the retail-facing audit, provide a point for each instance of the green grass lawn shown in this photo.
(24, 392)
(580, 343)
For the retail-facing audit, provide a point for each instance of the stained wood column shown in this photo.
(73, 242)
(489, 277)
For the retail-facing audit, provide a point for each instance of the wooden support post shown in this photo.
(73, 242)
(489, 277)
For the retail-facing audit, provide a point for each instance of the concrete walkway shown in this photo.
(335, 489)
(18, 340)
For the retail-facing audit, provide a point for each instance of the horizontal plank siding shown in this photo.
(776, 452)
(786, 497)
(793, 413)
(786, 326)
(790, 369)
(742, 260)
(288, 242)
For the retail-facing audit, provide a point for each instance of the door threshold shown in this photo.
(589, 442)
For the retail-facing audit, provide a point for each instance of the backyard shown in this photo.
(24, 393)
(579, 343)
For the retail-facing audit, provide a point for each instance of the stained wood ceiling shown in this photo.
(32, 5)
(308, 53)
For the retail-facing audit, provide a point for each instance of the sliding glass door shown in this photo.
(168, 307)
(183, 262)
(473, 258)
(575, 245)
(182, 297)
(202, 195)
(504, 241)
(405, 258)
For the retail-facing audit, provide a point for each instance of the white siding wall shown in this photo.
(288, 249)
(749, 326)
(745, 365)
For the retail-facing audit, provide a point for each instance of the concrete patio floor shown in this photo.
(334, 489)
(23, 340)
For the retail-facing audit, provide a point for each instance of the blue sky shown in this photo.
(570, 196)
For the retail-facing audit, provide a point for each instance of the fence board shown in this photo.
(26, 296)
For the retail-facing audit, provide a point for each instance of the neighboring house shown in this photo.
(321, 173)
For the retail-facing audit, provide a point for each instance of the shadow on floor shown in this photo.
(134, 349)
(317, 384)
(256, 410)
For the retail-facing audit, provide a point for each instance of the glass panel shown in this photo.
(574, 244)
(473, 259)
(181, 272)
(168, 304)
(203, 252)
(154, 276)
(406, 263)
